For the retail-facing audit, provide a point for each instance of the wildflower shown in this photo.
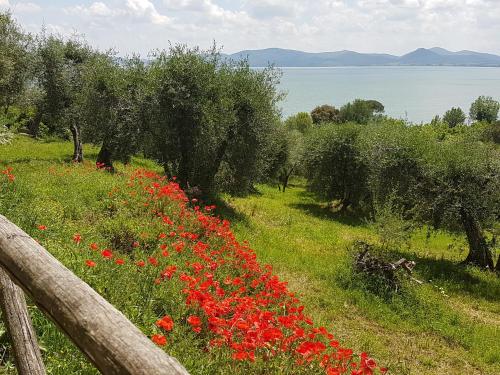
(166, 323)
(42, 227)
(90, 263)
(141, 263)
(194, 320)
(120, 261)
(106, 253)
(153, 261)
(135, 244)
(77, 238)
(94, 246)
(159, 340)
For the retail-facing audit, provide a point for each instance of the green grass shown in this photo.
(449, 325)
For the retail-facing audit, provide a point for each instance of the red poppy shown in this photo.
(106, 253)
(90, 263)
(166, 323)
(194, 320)
(42, 227)
(159, 340)
(120, 261)
(93, 246)
(141, 263)
(77, 238)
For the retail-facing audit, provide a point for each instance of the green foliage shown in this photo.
(210, 118)
(301, 122)
(334, 166)
(325, 113)
(14, 60)
(485, 108)
(360, 111)
(59, 66)
(454, 117)
(113, 104)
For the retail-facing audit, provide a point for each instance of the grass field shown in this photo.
(448, 325)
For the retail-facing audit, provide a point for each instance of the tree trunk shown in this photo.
(77, 144)
(104, 158)
(27, 354)
(34, 124)
(479, 252)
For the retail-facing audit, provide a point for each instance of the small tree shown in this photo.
(484, 108)
(301, 122)
(333, 165)
(360, 111)
(15, 59)
(454, 117)
(114, 106)
(325, 113)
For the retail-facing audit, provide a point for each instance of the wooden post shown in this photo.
(16, 317)
(103, 334)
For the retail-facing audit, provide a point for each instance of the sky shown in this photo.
(389, 26)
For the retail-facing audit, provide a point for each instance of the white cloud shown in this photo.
(136, 10)
(393, 26)
(146, 9)
(4, 4)
(26, 8)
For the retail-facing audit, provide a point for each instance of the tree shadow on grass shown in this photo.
(226, 211)
(324, 212)
(462, 278)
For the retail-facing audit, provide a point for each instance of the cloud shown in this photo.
(146, 9)
(135, 10)
(26, 8)
(393, 26)
(4, 4)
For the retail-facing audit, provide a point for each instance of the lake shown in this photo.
(416, 93)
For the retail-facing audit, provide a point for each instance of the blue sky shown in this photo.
(392, 26)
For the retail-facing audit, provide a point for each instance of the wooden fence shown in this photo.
(108, 339)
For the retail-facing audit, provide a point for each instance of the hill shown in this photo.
(421, 56)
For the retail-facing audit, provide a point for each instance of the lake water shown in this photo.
(414, 93)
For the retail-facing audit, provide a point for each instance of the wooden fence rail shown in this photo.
(110, 341)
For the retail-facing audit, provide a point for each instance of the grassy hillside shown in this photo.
(450, 325)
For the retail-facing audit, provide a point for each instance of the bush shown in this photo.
(325, 113)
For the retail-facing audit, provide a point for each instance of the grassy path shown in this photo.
(450, 325)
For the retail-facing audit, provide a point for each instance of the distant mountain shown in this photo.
(421, 56)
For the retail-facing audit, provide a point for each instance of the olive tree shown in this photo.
(448, 182)
(210, 118)
(484, 108)
(15, 48)
(360, 111)
(58, 76)
(301, 122)
(333, 164)
(454, 117)
(113, 106)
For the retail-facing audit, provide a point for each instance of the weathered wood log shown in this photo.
(110, 341)
(18, 322)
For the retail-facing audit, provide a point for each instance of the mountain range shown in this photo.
(420, 57)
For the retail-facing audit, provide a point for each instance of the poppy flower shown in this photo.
(194, 320)
(159, 340)
(106, 253)
(77, 238)
(120, 261)
(166, 323)
(90, 263)
(141, 263)
(93, 246)
(42, 227)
